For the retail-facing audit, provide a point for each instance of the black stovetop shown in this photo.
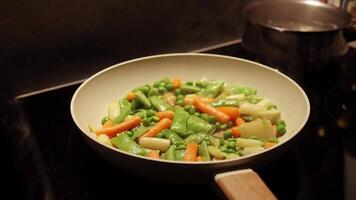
(64, 167)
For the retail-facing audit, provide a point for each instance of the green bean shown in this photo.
(141, 97)
(125, 143)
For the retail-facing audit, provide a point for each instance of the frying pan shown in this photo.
(90, 101)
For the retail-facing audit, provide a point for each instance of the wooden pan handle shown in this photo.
(243, 184)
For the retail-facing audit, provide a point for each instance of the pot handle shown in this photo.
(243, 184)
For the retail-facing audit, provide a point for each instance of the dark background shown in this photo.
(45, 43)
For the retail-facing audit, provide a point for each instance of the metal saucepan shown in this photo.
(90, 101)
(296, 35)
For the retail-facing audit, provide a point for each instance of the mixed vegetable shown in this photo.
(192, 121)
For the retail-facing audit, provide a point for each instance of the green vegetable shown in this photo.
(243, 90)
(170, 153)
(135, 104)
(113, 110)
(144, 89)
(125, 143)
(227, 134)
(281, 127)
(254, 99)
(226, 102)
(197, 125)
(179, 154)
(139, 131)
(141, 97)
(158, 103)
(179, 123)
(153, 92)
(215, 152)
(187, 89)
(213, 89)
(203, 151)
(196, 138)
(125, 108)
(172, 136)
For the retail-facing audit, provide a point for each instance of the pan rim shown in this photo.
(300, 127)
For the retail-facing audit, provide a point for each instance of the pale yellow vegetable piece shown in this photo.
(155, 143)
(252, 150)
(104, 139)
(260, 128)
(272, 115)
(250, 109)
(244, 142)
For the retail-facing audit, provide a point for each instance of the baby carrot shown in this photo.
(239, 121)
(235, 132)
(153, 154)
(130, 96)
(233, 112)
(165, 114)
(191, 152)
(157, 128)
(176, 83)
(118, 128)
(206, 108)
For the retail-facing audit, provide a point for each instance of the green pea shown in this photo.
(155, 118)
(146, 121)
(231, 145)
(150, 113)
(281, 129)
(178, 92)
(189, 83)
(162, 90)
(227, 134)
(105, 119)
(180, 96)
(205, 117)
(129, 133)
(197, 114)
(169, 86)
(180, 102)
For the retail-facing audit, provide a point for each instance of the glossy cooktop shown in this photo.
(60, 165)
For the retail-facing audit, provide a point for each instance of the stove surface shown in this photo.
(313, 168)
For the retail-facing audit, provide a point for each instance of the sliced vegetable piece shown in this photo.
(170, 98)
(125, 109)
(125, 143)
(261, 128)
(252, 150)
(203, 151)
(170, 154)
(179, 123)
(206, 108)
(272, 115)
(119, 128)
(172, 136)
(213, 89)
(157, 128)
(198, 125)
(141, 97)
(191, 152)
(251, 109)
(153, 154)
(243, 142)
(215, 152)
(165, 114)
(154, 143)
(233, 112)
(243, 90)
(158, 103)
(104, 139)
